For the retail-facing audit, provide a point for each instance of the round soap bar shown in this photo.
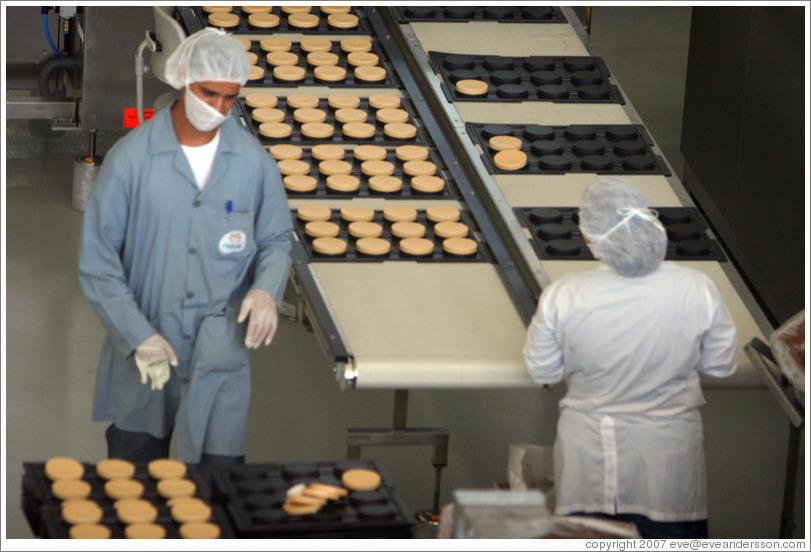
(263, 20)
(281, 58)
(303, 20)
(285, 151)
(63, 467)
(330, 73)
(170, 488)
(256, 73)
(383, 101)
(244, 41)
(450, 229)
(391, 115)
(275, 130)
(350, 45)
(358, 130)
(334, 166)
(315, 44)
(342, 20)
(144, 531)
(293, 166)
(123, 488)
(314, 212)
(67, 489)
(115, 468)
(365, 229)
(385, 184)
(353, 213)
(459, 246)
(335, 9)
(343, 101)
(296, 101)
(408, 229)
(427, 184)
(471, 87)
(329, 246)
(501, 143)
(253, 59)
(288, 73)
(184, 512)
(322, 229)
(166, 468)
(256, 9)
(323, 152)
(400, 130)
(275, 44)
(376, 167)
(81, 511)
(296, 9)
(369, 73)
(399, 213)
(295, 509)
(415, 247)
(267, 115)
(442, 213)
(419, 168)
(317, 130)
(300, 183)
(373, 246)
(362, 59)
(318, 59)
(510, 160)
(224, 20)
(350, 115)
(89, 531)
(200, 530)
(368, 152)
(218, 9)
(309, 115)
(410, 152)
(343, 183)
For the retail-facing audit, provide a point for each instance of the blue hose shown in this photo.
(48, 35)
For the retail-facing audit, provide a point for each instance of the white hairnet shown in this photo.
(625, 234)
(208, 55)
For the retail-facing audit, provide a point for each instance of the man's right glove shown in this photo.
(153, 357)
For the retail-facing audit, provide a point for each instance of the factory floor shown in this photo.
(298, 413)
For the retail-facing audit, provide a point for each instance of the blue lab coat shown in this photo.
(158, 255)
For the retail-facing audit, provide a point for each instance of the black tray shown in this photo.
(555, 235)
(322, 28)
(626, 149)
(323, 192)
(391, 80)
(253, 496)
(579, 79)
(379, 137)
(352, 255)
(501, 14)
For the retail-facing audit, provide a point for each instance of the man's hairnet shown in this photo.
(208, 55)
(625, 234)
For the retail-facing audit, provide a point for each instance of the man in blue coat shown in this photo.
(185, 256)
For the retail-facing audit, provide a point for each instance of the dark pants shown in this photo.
(650, 529)
(143, 447)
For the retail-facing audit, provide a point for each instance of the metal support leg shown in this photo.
(400, 435)
(787, 524)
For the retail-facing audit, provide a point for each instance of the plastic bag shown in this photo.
(531, 467)
(788, 346)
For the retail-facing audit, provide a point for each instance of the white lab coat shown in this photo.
(631, 350)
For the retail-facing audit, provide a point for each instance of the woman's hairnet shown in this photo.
(208, 55)
(625, 234)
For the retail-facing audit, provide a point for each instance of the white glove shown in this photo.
(264, 318)
(153, 357)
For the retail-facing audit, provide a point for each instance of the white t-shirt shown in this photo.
(201, 159)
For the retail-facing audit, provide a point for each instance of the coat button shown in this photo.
(192, 251)
(187, 337)
(197, 203)
(189, 295)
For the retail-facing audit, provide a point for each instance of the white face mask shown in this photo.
(201, 115)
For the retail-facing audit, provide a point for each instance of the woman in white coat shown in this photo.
(630, 338)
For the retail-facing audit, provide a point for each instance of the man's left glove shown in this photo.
(264, 318)
(153, 357)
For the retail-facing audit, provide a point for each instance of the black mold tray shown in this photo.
(556, 236)
(254, 494)
(352, 255)
(284, 27)
(391, 80)
(323, 192)
(296, 137)
(601, 149)
(580, 79)
(501, 14)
